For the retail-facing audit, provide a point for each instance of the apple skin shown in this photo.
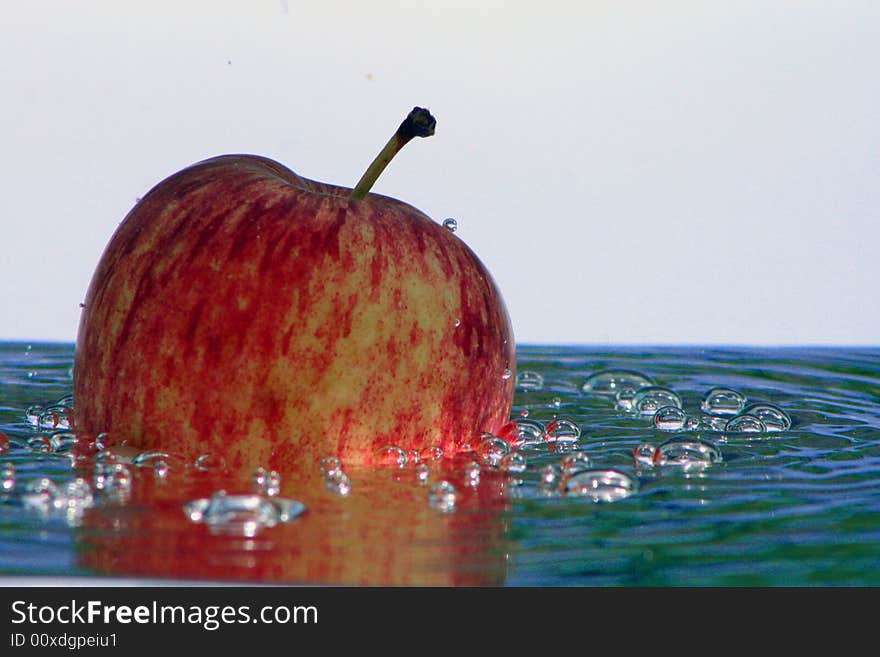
(244, 311)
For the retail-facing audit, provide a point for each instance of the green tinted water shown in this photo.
(796, 507)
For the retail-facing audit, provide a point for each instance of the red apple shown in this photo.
(243, 310)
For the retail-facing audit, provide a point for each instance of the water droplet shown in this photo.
(210, 463)
(608, 382)
(422, 473)
(442, 497)
(524, 412)
(574, 462)
(745, 424)
(266, 482)
(513, 463)
(506, 374)
(491, 449)
(598, 485)
(55, 417)
(242, 515)
(686, 453)
(338, 483)
(7, 477)
(471, 474)
(650, 399)
(450, 224)
(670, 418)
(529, 380)
(773, 417)
(556, 402)
(563, 430)
(330, 465)
(160, 469)
(152, 459)
(723, 401)
(390, 456)
(432, 453)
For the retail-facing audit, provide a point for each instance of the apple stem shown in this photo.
(418, 123)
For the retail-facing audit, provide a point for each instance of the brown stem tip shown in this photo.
(418, 123)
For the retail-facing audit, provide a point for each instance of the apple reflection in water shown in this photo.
(384, 532)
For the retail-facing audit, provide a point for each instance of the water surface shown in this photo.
(793, 507)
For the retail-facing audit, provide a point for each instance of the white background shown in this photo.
(691, 171)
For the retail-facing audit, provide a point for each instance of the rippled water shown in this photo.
(590, 494)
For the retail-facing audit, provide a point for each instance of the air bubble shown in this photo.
(598, 485)
(337, 483)
(432, 453)
(608, 382)
(450, 224)
(442, 497)
(210, 463)
(491, 449)
(650, 399)
(507, 373)
(563, 430)
(390, 456)
(745, 424)
(643, 455)
(529, 432)
(266, 482)
(670, 418)
(529, 380)
(773, 417)
(513, 463)
(686, 453)
(575, 462)
(723, 401)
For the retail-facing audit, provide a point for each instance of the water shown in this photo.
(593, 490)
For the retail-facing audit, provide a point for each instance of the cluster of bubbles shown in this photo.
(722, 410)
(571, 474)
(66, 500)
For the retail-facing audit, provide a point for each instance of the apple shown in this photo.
(244, 311)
